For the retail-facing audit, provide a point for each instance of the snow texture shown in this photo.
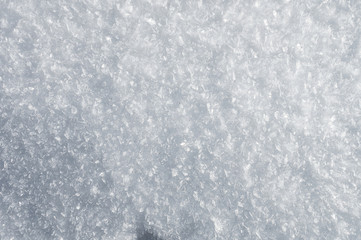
(209, 119)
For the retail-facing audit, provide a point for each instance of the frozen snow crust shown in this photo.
(187, 119)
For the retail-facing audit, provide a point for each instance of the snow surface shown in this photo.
(204, 119)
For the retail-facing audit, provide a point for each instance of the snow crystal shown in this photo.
(177, 119)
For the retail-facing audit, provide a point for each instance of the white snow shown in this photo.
(214, 119)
